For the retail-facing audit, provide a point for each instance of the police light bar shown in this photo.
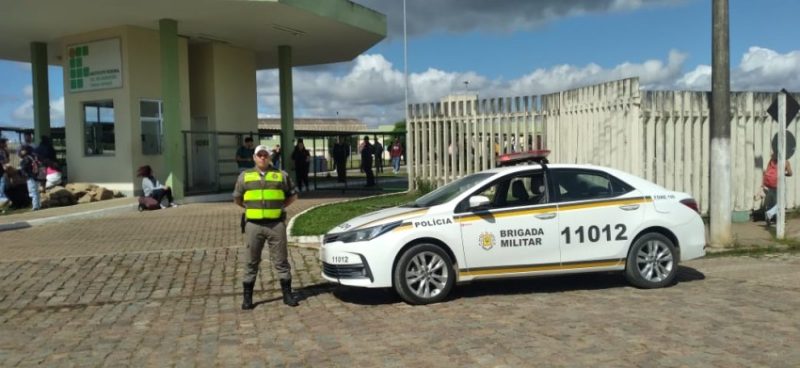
(538, 156)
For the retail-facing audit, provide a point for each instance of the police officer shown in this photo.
(264, 192)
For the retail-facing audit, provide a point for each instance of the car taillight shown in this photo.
(691, 203)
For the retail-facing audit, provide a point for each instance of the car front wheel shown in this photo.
(652, 262)
(424, 275)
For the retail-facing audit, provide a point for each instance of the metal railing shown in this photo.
(210, 157)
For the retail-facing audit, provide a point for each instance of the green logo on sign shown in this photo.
(77, 72)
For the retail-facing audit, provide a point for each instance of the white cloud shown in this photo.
(652, 74)
(372, 88)
(766, 70)
(23, 114)
(698, 79)
(761, 69)
(57, 112)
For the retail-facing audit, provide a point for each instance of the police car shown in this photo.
(519, 220)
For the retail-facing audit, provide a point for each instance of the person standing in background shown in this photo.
(340, 153)
(244, 155)
(378, 151)
(27, 142)
(366, 161)
(769, 183)
(395, 152)
(301, 158)
(276, 156)
(27, 166)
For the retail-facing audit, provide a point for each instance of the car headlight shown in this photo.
(368, 233)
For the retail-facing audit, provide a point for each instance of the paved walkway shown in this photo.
(161, 288)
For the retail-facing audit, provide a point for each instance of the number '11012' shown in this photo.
(593, 234)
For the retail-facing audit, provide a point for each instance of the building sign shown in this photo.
(95, 65)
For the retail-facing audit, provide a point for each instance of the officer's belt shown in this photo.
(267, 221)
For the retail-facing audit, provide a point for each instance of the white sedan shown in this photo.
(524, 220)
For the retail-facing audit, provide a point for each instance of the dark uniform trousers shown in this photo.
(273, 233)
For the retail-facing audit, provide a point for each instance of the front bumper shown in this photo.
(362, 264)
(347, 271)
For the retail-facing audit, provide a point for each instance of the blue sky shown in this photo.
(515, 47)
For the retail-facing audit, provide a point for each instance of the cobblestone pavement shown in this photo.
(162, 289)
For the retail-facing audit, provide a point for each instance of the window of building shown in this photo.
(151, 117)
(98, 125)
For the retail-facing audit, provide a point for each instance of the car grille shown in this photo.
(357, 271)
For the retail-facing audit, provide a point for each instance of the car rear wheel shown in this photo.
(424, 275)
(652, 262)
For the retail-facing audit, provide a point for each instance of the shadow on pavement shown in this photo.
(559, 283)
(688, 274)
(302, 293)
(523, 285)
(364, 296)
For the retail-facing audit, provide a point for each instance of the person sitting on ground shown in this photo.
(153, 188)
(16, 188)
(54, 176)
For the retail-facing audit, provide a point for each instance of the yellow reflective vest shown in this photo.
(263, 199)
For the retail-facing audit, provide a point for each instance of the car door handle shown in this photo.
(630, 207)
(546, 216)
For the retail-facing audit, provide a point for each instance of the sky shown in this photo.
(504, 48)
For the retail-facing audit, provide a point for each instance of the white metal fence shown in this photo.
(662, 136)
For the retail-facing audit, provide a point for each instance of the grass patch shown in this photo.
(783, 246)
(322, 219)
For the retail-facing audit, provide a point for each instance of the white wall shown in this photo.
(662, 136)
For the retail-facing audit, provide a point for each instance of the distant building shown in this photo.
(319, 125)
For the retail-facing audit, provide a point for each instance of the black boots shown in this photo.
(288, 298)
(286, 288)
(248, 295)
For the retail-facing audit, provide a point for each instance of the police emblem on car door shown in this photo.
(516, 231)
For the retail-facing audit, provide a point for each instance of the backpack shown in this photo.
(38, 169)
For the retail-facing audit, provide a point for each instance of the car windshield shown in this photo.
(449, 191)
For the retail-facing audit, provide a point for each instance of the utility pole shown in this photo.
(409, 149)
(720, 206)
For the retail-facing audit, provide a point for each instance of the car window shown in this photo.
(576, 185)
(513, 191)
(449, 191)
(620, 187)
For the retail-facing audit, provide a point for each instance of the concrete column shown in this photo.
(287, 106)
(720, 209)
(41, 92)
(170, 95)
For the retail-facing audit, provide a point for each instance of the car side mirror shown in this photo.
(478, 202)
